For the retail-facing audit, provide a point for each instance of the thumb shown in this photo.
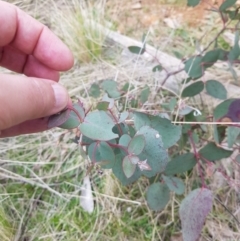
(26, 98)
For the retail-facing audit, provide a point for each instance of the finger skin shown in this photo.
(27, 127)
(27, 36)
(28, 98)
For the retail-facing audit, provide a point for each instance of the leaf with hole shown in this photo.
(193, 89)
(216, 89)
(232, 135)
(102, 153)
(136, 145)
(212, 152)
(180, 164)
(158, 196)
(193, 67)
(193, 3)
(110, 87)
(193, 211)
(227, 4)
(174, 184)
(136, 50)
(98, 125)
(170, 133)
(128, 167)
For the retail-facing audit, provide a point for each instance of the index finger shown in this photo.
(29, 36)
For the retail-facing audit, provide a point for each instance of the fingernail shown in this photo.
(61, 97)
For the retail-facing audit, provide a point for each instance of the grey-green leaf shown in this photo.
(232, 134)
(193, 3)
(181, 163)
(124, 140)
(144, 94)
(94, 90)
(193, 67)
(158, 196)
(136, 145)
(170, 133)
(216, 89)
(157, 68)
(227, 4)
(102, 153)
(136, 50)
(212, 152)
(193, 89)
(174, 184)
(128, 167)
(110, 86)
(98, 125)
(154, 153)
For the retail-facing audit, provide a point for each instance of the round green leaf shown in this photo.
(193, 89)
(180, 164)
(136, 50)
(94, 90)
(193, 3)
(216, 89)
(193, 67)
(98, 125)
(174, 184)
(144, 94)
(157, 68)
(123, 116)
(158, 196)
(124, 140)
(136, 145)
(128, 167)
(58, 119)
(222, 109)
(232, 135)
(227, 4)
(118, 171)
(154, 153)
(101, 153)
(169, 133)
(212, 152)
(193, 211)
(110, 86)
(211, 57)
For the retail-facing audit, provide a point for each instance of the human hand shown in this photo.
(29, 47)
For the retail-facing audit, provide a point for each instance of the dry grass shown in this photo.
(41, 174)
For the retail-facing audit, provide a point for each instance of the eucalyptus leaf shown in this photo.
(128, 167)
(110, 86)
(158, 196)
(169, 133)
(193, 67)
(193, 89)
(216, 89)
(180, 164)
(227, 4)
(102, 153)
(98, 125)
(212, 152)
(193, 211)
(193, 3)
(174, 184)
(232, 135)
(136, 50)
(136, 145)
